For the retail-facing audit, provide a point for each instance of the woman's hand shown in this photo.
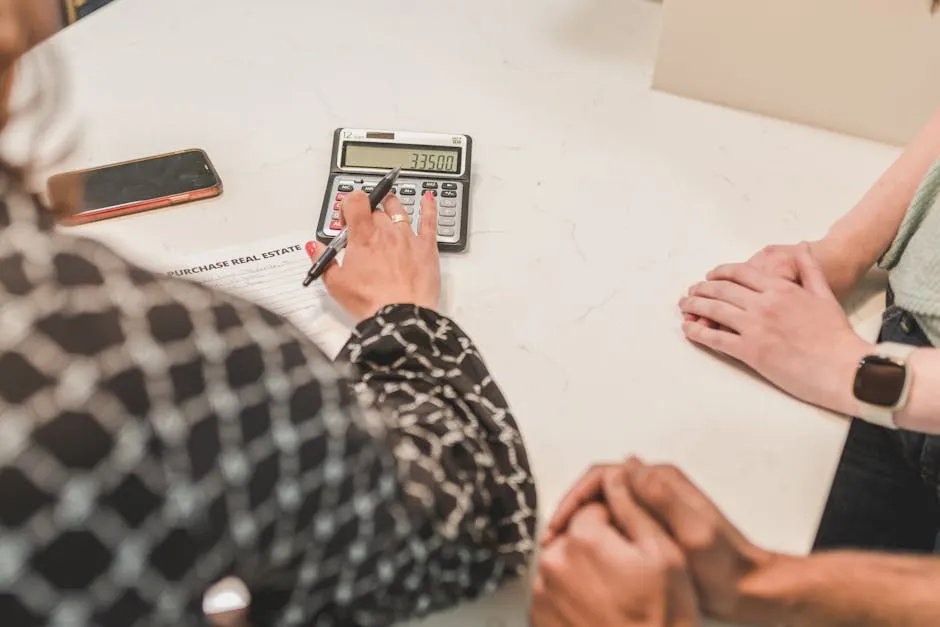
(614, 566)
(775, 260)
(385, 262)
(780, 260)
(795, 335)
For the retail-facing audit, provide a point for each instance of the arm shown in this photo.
(428, 498)
(435, 389)
(922, 413)
(858, 239)
(844, 589)
(740, 582)
(371, 499)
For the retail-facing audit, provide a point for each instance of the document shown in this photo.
(269, 273)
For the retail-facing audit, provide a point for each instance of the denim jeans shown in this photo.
(885, 494)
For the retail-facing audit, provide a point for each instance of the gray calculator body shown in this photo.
(431, 162)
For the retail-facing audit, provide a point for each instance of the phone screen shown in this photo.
(147, 179)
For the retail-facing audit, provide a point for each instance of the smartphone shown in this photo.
(134, 186)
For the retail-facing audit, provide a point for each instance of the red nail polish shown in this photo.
(311, 248)
(428, 195)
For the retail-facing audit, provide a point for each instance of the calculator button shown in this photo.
(445, 231)
(448, 203)
(449, 213)
(407, 191)
(368, 188)
(339, 197)
(433, 192)
(448, 185)
(345, 188)
(429, 185)
(410, 209)
(407, 200)
(359, 181)
(446, 222)
(394, 190)
(336, 225)
(448, 194)
(334, 215)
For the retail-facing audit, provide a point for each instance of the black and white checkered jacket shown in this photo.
(156, 436)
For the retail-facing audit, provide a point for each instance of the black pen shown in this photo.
(382, 188)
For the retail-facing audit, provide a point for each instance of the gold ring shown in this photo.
(399, 217)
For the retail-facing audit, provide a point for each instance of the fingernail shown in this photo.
(428, 196)
(311, 248)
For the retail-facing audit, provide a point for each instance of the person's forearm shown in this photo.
(460, 451)
(859, 238)
(843, 589)
(922, 413)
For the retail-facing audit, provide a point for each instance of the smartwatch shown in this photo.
(883, 383)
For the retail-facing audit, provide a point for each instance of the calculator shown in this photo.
(430, 162)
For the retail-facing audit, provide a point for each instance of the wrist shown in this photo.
(775, 593)
(840, 262)
(767, 595)
(844, 361)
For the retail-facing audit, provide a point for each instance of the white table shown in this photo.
(595, 203)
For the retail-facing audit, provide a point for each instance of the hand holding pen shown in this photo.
(385, 262)
(382, 189)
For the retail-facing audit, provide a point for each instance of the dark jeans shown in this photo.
(885, 494)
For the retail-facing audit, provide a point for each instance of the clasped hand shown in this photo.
(633, 545)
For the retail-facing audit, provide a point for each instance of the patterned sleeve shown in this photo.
(459, 453)
(398, 489)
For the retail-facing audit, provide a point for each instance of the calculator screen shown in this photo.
(386, 157)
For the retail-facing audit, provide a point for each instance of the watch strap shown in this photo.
(893, 350)
(876, 415)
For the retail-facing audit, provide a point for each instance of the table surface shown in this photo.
(596, 201)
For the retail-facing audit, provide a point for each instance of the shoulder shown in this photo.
(84, 300)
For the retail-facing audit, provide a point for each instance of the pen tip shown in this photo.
(308, 280)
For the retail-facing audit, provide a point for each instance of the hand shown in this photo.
(587, 489)
(385, 262)
(614, 567)
(779, 260)
(797, 336)
(775, 260)
(719, 557)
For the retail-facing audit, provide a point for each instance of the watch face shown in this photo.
(880, 381)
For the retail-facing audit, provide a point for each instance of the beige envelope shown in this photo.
(865, 67)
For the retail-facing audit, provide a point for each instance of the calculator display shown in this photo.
(386, 157)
